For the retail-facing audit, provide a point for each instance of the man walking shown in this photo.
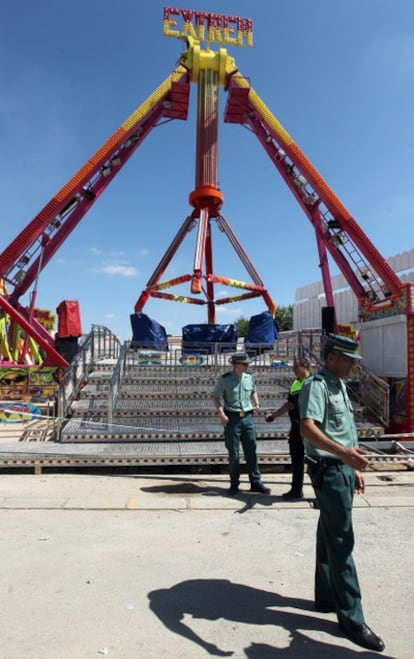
(334, 465)
(237, 390)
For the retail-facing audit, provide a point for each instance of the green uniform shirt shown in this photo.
(236, 392)
(324, 399)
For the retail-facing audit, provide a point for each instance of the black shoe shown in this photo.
(325, 607)
(233, 489)
(259, 487)
(292, 495)
(364, 636)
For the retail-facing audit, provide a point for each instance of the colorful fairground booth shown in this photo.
(27, 369)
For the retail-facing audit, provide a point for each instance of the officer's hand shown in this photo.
(354, 457)
(359, 483)
(224, 419)
(269, 417)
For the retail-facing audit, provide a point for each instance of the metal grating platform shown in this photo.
(176, 427)
(140, 389)
(101, 454)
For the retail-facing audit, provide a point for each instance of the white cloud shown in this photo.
(116, 254)
(63, 261)
(228, 311)
(119, 269)
(114, 264)
(222, 292)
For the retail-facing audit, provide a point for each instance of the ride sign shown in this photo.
(205, 26)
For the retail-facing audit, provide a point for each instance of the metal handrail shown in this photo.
(115, 383)
(373, 394)
(105, 344)
(99, 344)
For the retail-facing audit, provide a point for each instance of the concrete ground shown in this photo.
(166, 565)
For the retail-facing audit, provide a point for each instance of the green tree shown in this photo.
(284, 318)
(242, 325)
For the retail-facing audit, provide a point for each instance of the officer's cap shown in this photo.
(344, 345)
(240, 358)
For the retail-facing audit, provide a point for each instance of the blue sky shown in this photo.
(339, 76)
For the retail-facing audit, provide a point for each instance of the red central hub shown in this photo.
(206, 196)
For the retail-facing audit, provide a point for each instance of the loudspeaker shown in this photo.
(67, 347)
(328, 320)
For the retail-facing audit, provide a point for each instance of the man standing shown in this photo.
(334, 465)
(296, 449)
(237, 389)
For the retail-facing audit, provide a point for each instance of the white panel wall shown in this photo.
(310, 298)
(384, 346)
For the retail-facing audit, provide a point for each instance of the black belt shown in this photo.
(240, 414)
(319, 467)
(318, 461)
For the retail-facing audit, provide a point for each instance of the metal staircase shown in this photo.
(123, 412)
(163, 414)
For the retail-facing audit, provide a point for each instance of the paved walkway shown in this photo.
(166, 565)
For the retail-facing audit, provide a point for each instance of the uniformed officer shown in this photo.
(334, 465)
(296, 449)
(237, 390)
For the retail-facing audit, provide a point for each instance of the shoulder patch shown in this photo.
(318, 376)
(226, 375)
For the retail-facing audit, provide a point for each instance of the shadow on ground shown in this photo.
(211, 599)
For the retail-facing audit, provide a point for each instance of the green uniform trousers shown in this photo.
(241, 430)
(336, 580)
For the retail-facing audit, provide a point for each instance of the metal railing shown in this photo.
(103, 343)
(116, 380)
(369, 390)
(202, 353)
(374, 394)
(99, 344)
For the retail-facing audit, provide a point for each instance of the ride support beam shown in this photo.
(209, 70)
(200, 250)
(82, 190)
(34, 330)
(206, 169)
(323, 256)
(247, 107)
(410, 357)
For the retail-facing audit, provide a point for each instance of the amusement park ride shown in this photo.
(379, 290)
